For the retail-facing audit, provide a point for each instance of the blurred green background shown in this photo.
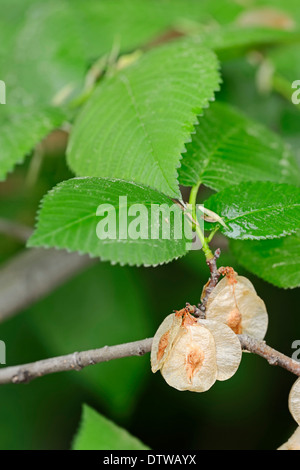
(111, 304)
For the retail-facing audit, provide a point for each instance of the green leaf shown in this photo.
(229, 148)
(104, 305)
(68, 219)
(135, 125)
(276, 261)
(72, 35)
(21, 129)
(98, 433)
(258, 210)
(52, 69)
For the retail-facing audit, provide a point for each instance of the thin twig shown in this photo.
(78, 360)
(274, 358)
(213, 280)
(75, 361)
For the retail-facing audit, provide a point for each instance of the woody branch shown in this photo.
(78, 360)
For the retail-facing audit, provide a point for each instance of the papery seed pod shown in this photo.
(228, 348)
(234, 301)
(164, 339)
(294, 401)
(191, 363)
(293, 443)
(225, 281)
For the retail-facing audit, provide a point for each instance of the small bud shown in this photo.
(294, 401)
(234, 302)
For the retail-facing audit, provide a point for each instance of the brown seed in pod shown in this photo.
(294, 401)
(293, 443)
(228, 348)
(235, 302)
(164, 339)
(191, 363)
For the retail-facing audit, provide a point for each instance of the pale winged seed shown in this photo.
(293, 443)
(191, 363)
(228, 348)
(163, 340)
(294, 401)
(247, 283)
(224, 282)
(239, 307)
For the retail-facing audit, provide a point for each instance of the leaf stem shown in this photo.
(192, 201)
(205, 247)
(212, 234)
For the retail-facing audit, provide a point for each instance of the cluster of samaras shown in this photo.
(193, 353)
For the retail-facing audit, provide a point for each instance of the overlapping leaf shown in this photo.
(68, 219)
(45, 61)
(50, 56)
(46, 49)
(98, 433)
(21, 129)
(277, 261)
(137, 122)
(258, 210)
(229, 148)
